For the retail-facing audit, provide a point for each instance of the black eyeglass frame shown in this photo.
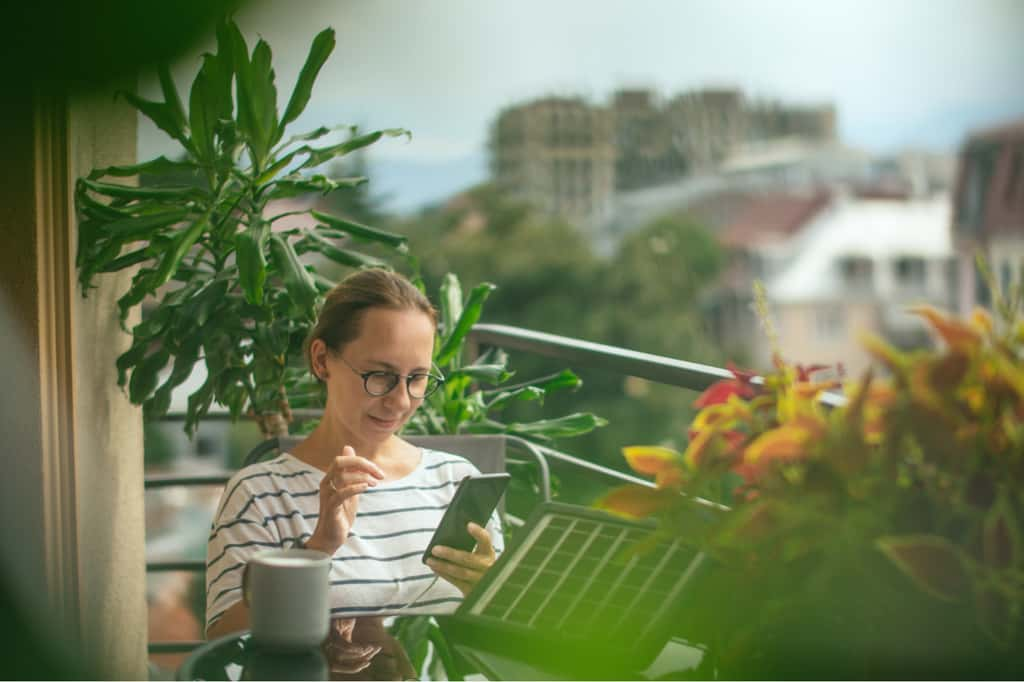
(396, 379)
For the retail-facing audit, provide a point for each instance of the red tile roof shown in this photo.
(771, 217)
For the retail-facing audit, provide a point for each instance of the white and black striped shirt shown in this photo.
(378, 569)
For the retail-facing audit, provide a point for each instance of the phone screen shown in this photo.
(475, 500)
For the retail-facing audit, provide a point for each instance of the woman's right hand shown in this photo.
(347, 477)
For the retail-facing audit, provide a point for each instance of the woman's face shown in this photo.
(399, 341)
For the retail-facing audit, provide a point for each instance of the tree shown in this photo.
(644, 297)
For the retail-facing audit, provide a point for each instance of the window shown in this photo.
(857, 272)
(1014, 179)
(829, 323)
(910, 272)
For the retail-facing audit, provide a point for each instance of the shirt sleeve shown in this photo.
(238, 531)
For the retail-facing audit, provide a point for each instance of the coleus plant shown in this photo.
(921, 471)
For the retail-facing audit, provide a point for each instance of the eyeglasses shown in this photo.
(379, 382)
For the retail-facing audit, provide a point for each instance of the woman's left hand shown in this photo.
(464, 569)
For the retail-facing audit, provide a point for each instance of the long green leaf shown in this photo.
(568, 426)
(145, 376)
(353, 259)
(261, 104)
(319, 51)
(143, 227)
(198, 405)
(157, 166)
(127, 260)
(202, 108)
(451, 302)
(183, 242)
(130, 358)
(321, 155)
(470, 314)
(171, 98)
(161, 114)
(502, 398)
(361, 232)
(297, 280)
(252, 264)
(492, 374)
(181, 194)
(320, 184)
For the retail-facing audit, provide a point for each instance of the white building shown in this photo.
(855, 268)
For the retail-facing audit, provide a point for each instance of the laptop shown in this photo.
(580, 593)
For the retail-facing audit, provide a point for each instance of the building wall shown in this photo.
(74, 549)
(108, 429)
(826, 333)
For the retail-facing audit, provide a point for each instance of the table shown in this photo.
(371, 653)
(366, 652)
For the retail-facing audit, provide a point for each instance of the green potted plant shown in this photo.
(475, 391)
(880, 539)
(224, 287)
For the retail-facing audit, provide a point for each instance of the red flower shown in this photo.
(720, 391)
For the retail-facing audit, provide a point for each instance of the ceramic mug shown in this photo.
(286, 592)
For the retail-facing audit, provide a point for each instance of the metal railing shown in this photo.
(578, 353)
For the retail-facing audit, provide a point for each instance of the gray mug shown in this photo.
(286, 591)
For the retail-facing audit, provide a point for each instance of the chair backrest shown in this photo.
(486, 452)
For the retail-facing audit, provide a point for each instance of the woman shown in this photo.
(353, 488)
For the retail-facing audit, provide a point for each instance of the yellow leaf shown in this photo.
(883, 352)
(637, 501)
(982, 321)
(651, 459)
(957, 335)
(788, 442)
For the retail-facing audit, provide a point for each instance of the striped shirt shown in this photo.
(275, 504)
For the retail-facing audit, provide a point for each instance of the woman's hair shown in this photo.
(345, 304)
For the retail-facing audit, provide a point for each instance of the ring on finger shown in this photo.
(331, 483)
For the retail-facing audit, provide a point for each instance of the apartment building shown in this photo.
(558, 153)
(988, 211)
(571, 158)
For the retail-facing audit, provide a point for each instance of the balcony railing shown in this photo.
(575, 352)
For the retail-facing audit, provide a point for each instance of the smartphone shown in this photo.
(475, 500)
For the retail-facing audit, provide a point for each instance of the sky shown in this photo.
(902, 73)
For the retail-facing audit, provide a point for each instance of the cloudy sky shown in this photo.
(902, 73)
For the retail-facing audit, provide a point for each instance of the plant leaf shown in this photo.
(157, 166)
(651, 460)
(353, 259)
(172, 100)
(452, 347)
(145, 376)
(451, 303)
(252, 264)
(932, 562)
(321, 155)
(297, 279)
(637, 501)
(361, 232)
(163, 115)
(1001, 536)
(319, 51)
(571, 425)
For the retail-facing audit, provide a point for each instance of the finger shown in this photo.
(344, 627)
(352, 462)
(484, 545)
(340, 495)
(472, 560)
(337, 481)
(454, 572)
